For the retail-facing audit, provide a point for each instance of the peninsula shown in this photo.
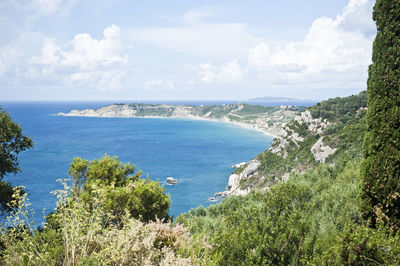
(266, 119)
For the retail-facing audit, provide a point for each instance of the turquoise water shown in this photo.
(198, 153)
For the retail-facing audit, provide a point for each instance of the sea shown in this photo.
(200, 154)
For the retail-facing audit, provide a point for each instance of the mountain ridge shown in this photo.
(267, 99)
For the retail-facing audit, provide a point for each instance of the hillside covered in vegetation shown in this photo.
(299, 207)
(330, 132)
(268, 119)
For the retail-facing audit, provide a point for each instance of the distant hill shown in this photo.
(279, 99)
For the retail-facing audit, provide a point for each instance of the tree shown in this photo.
(143, 198)
(12, 142)
(96, 222)
(381, 166)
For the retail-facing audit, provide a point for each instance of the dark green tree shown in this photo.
(125, 189)
(12, 142)
(381, 167)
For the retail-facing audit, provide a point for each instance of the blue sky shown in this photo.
(183, 50)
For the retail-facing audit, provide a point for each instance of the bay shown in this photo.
(198, 153)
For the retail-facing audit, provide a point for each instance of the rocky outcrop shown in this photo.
(312, 137)
(285, 177)
(314, 125)
(171, 181)
(321, 151)
(235, 179)
(238, 165)
(287, 134)
(293, 134)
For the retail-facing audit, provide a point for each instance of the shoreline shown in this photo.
(238, 124)
(259, 124)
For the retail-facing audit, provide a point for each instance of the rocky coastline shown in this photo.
(268, 120)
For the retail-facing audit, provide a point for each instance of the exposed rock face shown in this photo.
(286, 135)
(315, 126)
(233, 187)
(239, 165)
(320, 151)
(304, 136)
(234, 180)
(285, 177)
(280, 143)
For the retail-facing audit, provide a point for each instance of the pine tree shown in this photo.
(381, 166)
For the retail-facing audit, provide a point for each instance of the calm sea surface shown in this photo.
(198, 153)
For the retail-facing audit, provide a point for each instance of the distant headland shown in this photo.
(267, 119)
(270, 99)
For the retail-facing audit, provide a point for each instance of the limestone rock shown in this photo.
(321, 151)
(233, 187)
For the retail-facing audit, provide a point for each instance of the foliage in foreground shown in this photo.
(124, 189)
(93, 231)
(12, 142)
(313, 218)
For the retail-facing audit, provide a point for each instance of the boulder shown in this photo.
(172, 181)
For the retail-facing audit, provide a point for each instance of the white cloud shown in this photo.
(89, 53)
(197, 15)
(51, 53)
(85, 60)
(230, 72)
(207, 72)
(2, 69)
(332, 48)
(86, 53)
(159, 85)
(43, 6)
(10, 58)
(200, 38)
(47, 6)
(334, 54)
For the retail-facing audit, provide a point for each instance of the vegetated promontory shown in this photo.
(267, 119)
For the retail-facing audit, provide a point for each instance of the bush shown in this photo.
(116, 225)
(143, 198)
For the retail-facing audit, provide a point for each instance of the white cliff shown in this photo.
(233, 187)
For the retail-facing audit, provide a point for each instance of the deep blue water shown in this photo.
(198, 153)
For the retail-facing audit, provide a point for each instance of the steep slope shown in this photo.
(329, 132)
(315, 217)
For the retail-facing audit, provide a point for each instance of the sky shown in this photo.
(183, 50)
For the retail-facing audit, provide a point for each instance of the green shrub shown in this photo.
(99, 230)
(143, 198)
